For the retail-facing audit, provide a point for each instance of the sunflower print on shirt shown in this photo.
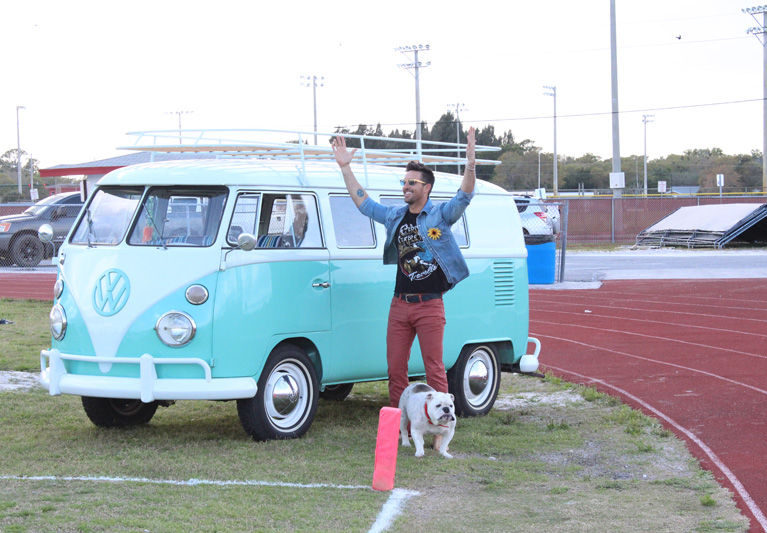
(434, 233)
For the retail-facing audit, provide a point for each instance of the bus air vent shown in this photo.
(503, 277)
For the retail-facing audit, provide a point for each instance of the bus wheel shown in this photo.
(287, 397)
(337, 393)
(474, 380)
(110, 412)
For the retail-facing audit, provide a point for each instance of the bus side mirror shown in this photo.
(246, 241)
(45, 233)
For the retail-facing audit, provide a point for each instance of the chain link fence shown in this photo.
(594, 221)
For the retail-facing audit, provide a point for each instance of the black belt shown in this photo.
(418, 298)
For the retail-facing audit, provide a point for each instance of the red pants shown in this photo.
(406, 320)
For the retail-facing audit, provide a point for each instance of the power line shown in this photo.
(575, 115)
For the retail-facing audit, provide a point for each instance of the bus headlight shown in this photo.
(58, 319)
(175, 328)
(58, 288)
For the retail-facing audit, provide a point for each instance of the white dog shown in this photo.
(428, 411)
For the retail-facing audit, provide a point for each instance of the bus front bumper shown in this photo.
(147, 387)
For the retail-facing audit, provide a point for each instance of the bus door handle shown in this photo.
(323, 284)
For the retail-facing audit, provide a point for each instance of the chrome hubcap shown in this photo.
(479, 378)
(287, 395)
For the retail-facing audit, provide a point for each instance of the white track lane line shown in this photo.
(590, 303)
(648, 321)
(669, 339)
(387, 515)
(665, 298)
(737, 485)
(612, 351)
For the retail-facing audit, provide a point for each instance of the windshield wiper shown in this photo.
(89, 221)
(150, 218)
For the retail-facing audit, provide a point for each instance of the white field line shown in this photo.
(739, 488)
(386, 516)
(392, 509)
(604, 349)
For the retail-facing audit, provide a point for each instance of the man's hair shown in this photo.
(426, 173)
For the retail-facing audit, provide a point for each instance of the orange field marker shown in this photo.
(386, 448)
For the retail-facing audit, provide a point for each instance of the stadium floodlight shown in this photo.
(313, 82)
(552, 91)
(416, 66)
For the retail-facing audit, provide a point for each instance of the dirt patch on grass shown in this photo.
(11, 380)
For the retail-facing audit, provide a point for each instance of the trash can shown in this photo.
(541, 259)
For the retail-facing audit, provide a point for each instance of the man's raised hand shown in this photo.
(343, 156)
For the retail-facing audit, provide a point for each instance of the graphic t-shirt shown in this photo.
(417, 269)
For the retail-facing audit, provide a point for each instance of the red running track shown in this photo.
(27, 285)
(691, 353)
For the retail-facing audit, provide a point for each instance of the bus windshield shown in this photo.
(179, 216)
(108, 216)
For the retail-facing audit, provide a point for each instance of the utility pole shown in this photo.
(18, 148)
(614, 78)
(760, 33)
(539, 169)
(179, 113)
(313, 82)
(416, 65)
(458, 108)
(555, 163)
(645, 120)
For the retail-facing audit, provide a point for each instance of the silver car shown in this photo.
(535, 220)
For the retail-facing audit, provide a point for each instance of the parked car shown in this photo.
(535, 220)
(533, 211)
(19, 242)
(552, 211)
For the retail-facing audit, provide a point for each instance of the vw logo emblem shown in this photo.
(111, 292)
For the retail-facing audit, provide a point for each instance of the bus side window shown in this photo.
(352, 228)
(244, 217)
(289, 221)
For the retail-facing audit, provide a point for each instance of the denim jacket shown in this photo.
(441, 216)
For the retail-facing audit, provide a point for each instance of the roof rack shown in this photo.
(261, 143)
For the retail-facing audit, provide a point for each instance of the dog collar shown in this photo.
(428, 418)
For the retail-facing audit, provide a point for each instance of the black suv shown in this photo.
(18, 233)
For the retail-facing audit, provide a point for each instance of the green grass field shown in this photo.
(550, 457)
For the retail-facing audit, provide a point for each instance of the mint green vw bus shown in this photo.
(253, 277)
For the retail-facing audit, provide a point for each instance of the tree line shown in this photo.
(524, 166)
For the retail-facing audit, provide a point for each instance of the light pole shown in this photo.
(416, 66)
(614, 84)
(539, 169)
(18, 148)
(645, 120)
(552, 91)
(313, 82)
(756, 32)
(458, 108)
(179, 113)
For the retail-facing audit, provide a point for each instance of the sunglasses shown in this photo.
(411, 182)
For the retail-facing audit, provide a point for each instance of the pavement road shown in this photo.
(665, 264)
